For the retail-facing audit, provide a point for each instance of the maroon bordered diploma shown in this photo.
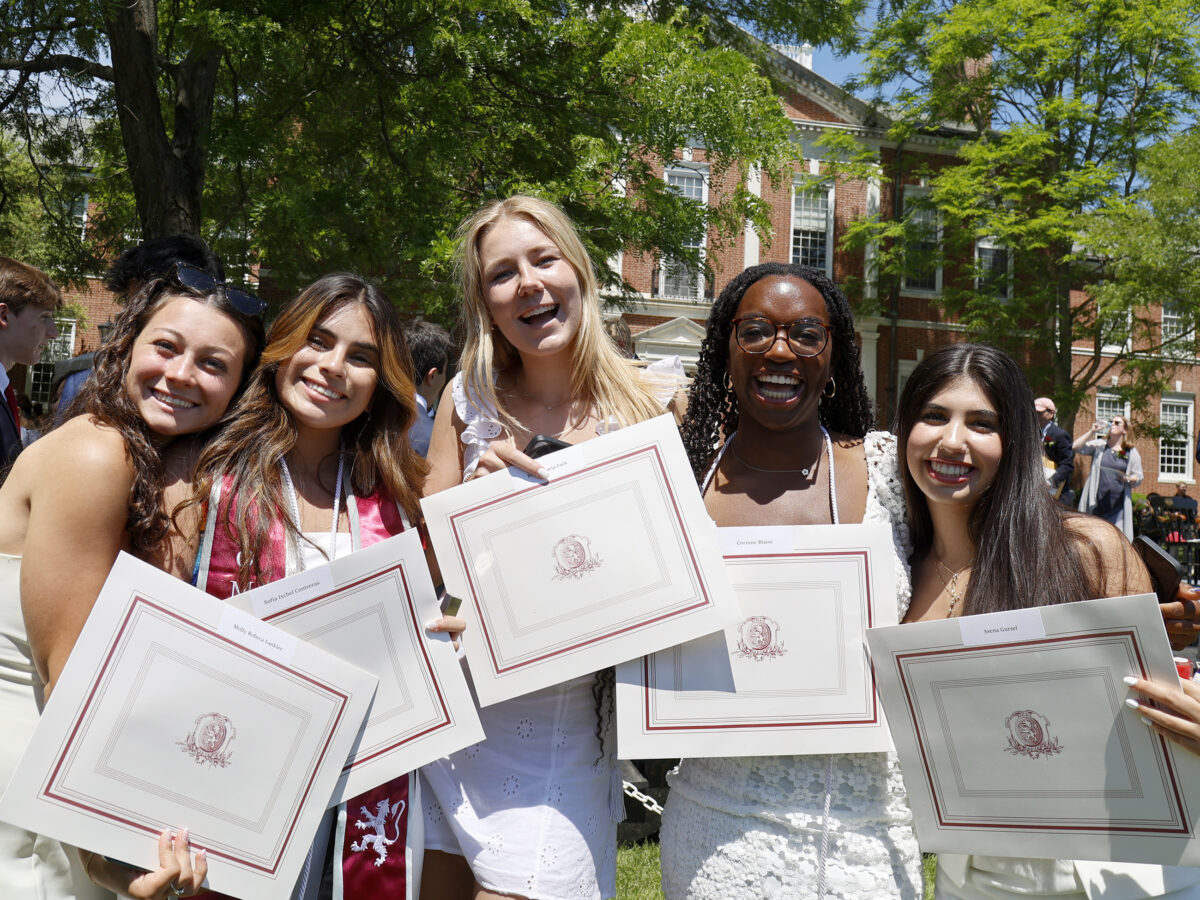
(370, 608)
(613, 558)
(792, 675)
(1015, 740)
(176, 710)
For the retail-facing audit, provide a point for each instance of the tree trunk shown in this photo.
(167, 174)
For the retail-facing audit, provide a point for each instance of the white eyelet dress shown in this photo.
(534, 807)
(753, 826)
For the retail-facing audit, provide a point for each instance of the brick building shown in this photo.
(808, 224)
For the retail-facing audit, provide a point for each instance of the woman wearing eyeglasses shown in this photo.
(779, 391)
(181, 349)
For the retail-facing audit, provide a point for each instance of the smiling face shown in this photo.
(330, 380)
(778, 389)
(955, 446)
(185, 366)
(532, 293)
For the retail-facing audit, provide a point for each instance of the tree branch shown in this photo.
(58, 61)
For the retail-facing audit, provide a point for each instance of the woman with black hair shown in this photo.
(779, 396)
(987, 536)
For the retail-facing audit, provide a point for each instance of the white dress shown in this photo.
(31, 865)
(534, 807)
(753, 827)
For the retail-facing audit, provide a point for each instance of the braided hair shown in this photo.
(712, 410)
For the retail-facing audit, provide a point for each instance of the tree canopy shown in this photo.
(315, 135)
(1061, 99)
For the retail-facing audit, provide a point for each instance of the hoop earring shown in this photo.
(827, 393)
(726, 382)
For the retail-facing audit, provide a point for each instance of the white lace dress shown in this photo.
(753, 826)
(534, 807)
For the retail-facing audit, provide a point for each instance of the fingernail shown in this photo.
(1130, 680)
(1146, 721)
(1132, 704)
(544, 474)
(433, 625)
(202, 854)
(184, 835)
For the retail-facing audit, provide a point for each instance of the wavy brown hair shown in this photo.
(105, 398)
(262, 430)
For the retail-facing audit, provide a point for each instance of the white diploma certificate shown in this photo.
(370, 608)
(792, 676)
(613, 558)
(1015, 740)
(176, 710)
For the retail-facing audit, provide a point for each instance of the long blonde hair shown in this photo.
(600, 375)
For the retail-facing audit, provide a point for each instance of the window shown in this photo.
(923, 271)
(812, 227)
(1109, 405)
(992, 269)
(41, 373)
(677, 278)
(1175, 332)
(1175, 442)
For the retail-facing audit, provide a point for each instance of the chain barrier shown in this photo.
(645, 799)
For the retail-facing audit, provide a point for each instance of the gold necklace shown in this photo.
(951, 585)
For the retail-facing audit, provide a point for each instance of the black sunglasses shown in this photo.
(202, 282)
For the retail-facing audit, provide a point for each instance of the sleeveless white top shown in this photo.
(752, 827)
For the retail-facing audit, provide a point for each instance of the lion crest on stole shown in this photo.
(210, 740)
(1029, 735)
(387, 815)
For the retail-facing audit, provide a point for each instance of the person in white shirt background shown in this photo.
(431, 347)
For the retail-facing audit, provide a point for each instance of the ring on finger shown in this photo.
(175, 890)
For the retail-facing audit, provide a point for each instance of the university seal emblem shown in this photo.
(1029, 735)
(574, 558)
(385, 820)
(210, 740)
(758, 639)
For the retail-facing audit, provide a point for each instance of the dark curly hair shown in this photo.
(712, 406)
(105, 398)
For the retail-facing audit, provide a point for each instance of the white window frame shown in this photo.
(1113, 400)
(62, 347)
(1182, 348)
(1187, 404)
(986, 244)
(666, 264)
(803, 185)
(936, 290)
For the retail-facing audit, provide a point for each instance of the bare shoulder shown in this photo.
(1097, 532)
(85, 448)
(848, 448)
(1123, 571)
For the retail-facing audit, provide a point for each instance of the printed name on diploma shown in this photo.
(246, 631)
(1002, 627)
(280, 596)
(745, 541)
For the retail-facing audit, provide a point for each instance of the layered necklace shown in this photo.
(951, 582)
(289, 491)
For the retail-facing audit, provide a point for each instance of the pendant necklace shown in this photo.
(289, 490)
(805, 471)
(951, 585)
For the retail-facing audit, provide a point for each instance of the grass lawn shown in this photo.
(638, 878)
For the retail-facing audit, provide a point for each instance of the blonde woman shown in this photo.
(530, 812)
(1116, 470)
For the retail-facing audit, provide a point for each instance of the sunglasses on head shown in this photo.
(202, 282)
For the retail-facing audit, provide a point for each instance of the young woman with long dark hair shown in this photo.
(779, 396)
(987, 536)
(181, 348)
